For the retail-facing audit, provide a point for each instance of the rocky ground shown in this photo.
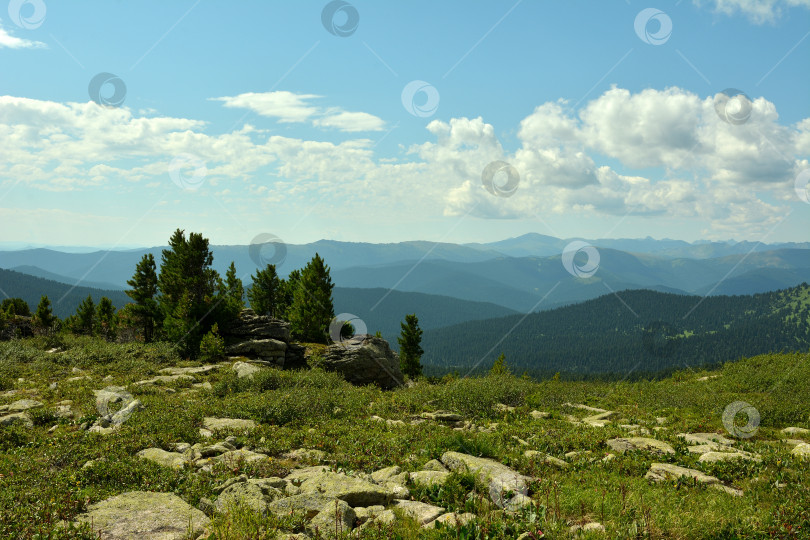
(156, 448)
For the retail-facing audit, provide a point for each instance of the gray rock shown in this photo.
(165, 379)
(145, 515)
(16, 418)
(452, 520)
(714, 457)
(423, 513)
(539, 415)
(308, 504)
(190, 370)
(244, 370)
(269, 350)
(238, 424)
(306, 454)
(588, 527)
(703, 438)
(364, 360)
(249, 325)
(430, 478)
(666, 471)
(355, 491)
(498, 477)
(653, 446)
(385, 474)
(795, 431)
(22, 405)
(434, 465)
(534, 455)
(251, 494)
(335, 517)
(801, 450)
(173, 460)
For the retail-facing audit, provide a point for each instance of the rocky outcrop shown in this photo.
(364, 360)
(501, 480)
(141, 514)
(263, 339)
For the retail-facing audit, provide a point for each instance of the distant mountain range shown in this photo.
(630, 334)
(521, 274)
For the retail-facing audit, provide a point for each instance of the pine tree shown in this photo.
(499, 367)
(84, 323)
(234, 293)
(410, 349)
(190, 291)
(16, 306)
(312, 309)
(44, 317)
(144, 285)
(287, 289)
(105, 318)
(265, 294)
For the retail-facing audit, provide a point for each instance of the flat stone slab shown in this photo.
(16, 418)
(173, 460)
(539, 415)
(666, 471)
(429, 478)
(452, 520)
(355, 491)
(645, 444)
(500, 478)
(165, 379)
(709, 447)
(714, 457)
(190, 370)
(703, 438)
(244, 370)
(795, 431)
(22, 405)
(801, 450)
(423, 513)
(213, 424)
(542, 457)
(143, 515)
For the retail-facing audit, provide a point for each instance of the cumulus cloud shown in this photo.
(758, 11)
(657, 153)
(291, 107)
(12, 42)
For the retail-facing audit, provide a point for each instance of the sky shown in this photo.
(392, 121)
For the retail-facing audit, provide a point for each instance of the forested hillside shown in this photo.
(64, 298)
(633, 333)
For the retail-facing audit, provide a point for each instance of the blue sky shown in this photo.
(249, 119)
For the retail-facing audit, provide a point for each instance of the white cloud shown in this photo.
(291, 107)
(758, 11)
(12, 42)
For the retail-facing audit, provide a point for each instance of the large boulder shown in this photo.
(249, 326)
(267, 350)
(145, 516)
(500, 479)
(364, 360)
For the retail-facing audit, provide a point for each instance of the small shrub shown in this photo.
(212, 346)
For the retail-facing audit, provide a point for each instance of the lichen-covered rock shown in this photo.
(355, 491)
(500, 479)
(254, 495)
(335, 516)
(542, 457)
(142, 515)
(22, 405)
(430, 478)
(238, 424)
(801, 450)
(423, 513)
(173, 460)
(666, 471)
(364, 360)
(645, 444)
(249, 325)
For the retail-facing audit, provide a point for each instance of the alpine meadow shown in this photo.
(338, 269)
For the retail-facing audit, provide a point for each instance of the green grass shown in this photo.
(43, 480)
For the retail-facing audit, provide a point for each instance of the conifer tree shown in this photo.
(410, 349)
(234, 293)
(84, 323)
(265, 294)
(44, 317)
(144, 285)
(312, 310)
(105, 318)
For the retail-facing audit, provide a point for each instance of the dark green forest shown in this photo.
(630, 334)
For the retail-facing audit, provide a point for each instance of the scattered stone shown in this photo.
(503, 408)
(703, 438)
(707, 378)
(147, 515)
(453, 519)
(500, 478)
(355, 491)
(442, 416)
(190, 370)
(542, 457)
(518, 503)
(17, 418)
(585, 407)
(434, 465)
(22, 405)
(429, 478)
(714, 457)
(164, 379)
(588, 527)
(801, 450)
(423, 513)
(334, 515)
(661, 420)
(385, 474)
(235, 458)
(795, 431)
(666, 471)
(539, 415)
(598, 420)
(308, 504)
(306, 454)
(173, 460)
(244, 370)
(239, 424)
(252, 494)
(709, 447)
(576, 454)
(622, 445)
